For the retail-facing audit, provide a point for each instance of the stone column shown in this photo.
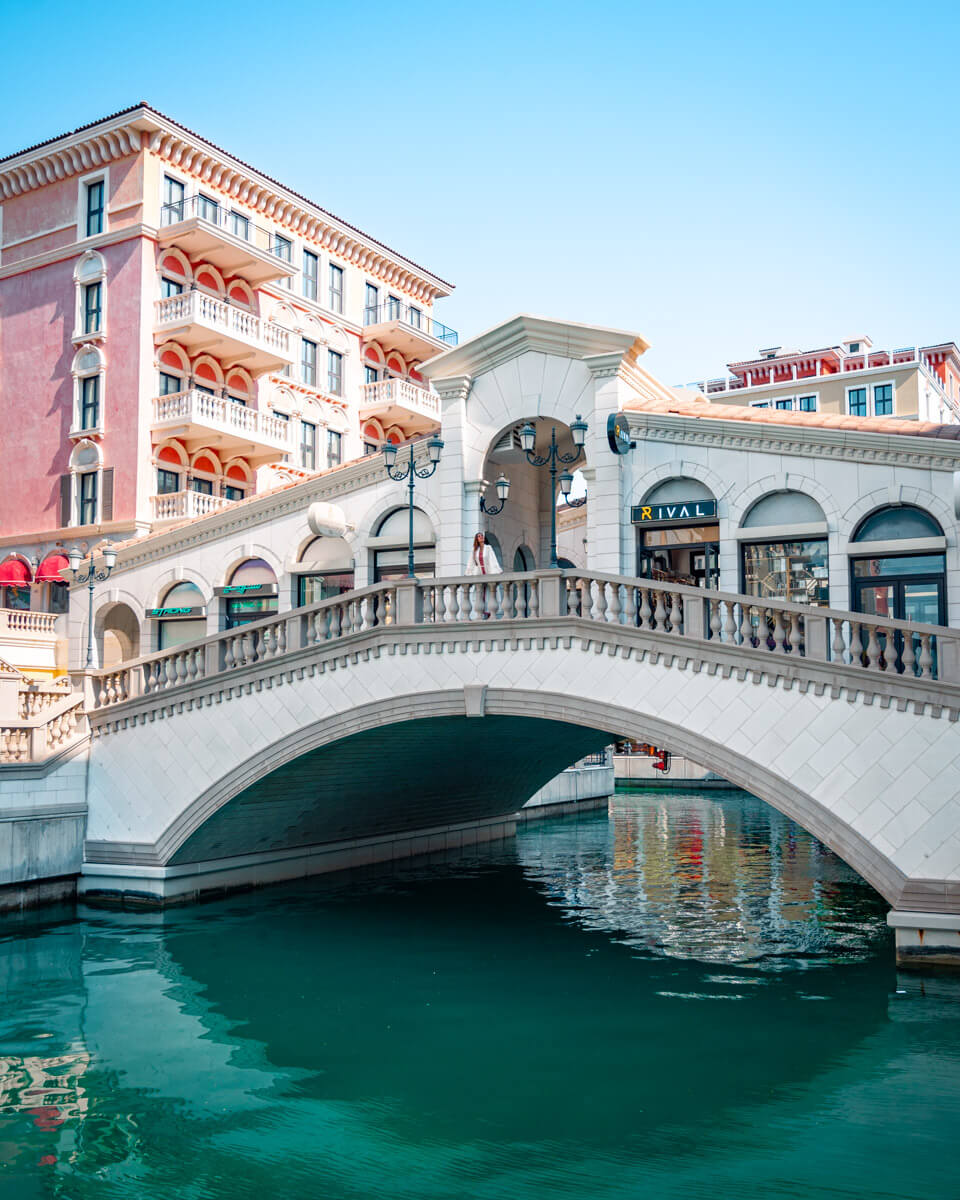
(459, 510)
(606, 515)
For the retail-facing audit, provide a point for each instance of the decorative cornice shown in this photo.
(143, 128)
(804, 442)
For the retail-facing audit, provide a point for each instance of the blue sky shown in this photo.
(716, 177)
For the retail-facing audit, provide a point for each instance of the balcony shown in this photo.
(205, 323)
(400, 402)
(402, 327)
(181, 506)
(229, 241)
(199, 419)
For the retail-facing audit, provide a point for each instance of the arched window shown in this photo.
(205, 473)
(896, 570)
(325, 569)
(15, 579)
(784, 508)
(390, 560)
(181, 616)
(89, 374)
(86, 492)
(523, 559)
(90, 286)
(786, 567)
(250, 593)
(897, 523)
(678, 536)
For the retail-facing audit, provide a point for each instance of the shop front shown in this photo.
(390, 546)
(251, 594)
(678, 536)
(325, 570)
(783, 550)
(181, 618)
(898, 566)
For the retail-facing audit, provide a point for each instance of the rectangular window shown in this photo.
(234, 399)
(240, 226)
(167, 482)
(92, 295)
(202, 387)
(883, 400)
(208, 209)
(94, 224)
(281, 416)
(230, 492)
(857, 402)
(170, 287)
(283, 248)
(794, 571)
(370, 374)
(308, 446)
(334, 448)
(336, 289)
(308, 362)
(785, 405)
(311, 275)
(393, 308)
(370, 448)
(807, 403)
(334, 373)
(173, 193)
(416, 317)
(87, 499)
(203, 486)
(371, 304)
(759, 403)
(169, 384)
(90, 402)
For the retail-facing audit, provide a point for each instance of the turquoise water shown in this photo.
(689, 997)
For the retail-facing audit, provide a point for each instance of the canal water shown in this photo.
(686, 997)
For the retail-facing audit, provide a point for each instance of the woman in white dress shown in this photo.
(483, 558)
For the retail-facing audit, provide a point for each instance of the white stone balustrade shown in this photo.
(15, 620)
(197, 308)
(749, 631)
(399, 393)
(174, 506)
(35, 739)
(223, 415)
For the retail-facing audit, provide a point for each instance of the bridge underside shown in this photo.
(452, 780)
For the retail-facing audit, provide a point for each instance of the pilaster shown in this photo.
(458, 509)
(604, 472)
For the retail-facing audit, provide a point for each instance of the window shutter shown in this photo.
(64, 500)
(106, 504)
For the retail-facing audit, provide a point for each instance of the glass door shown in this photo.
(920, 600)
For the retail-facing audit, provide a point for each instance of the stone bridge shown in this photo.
(428, 710)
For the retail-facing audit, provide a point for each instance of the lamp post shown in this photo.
(503, 491)
(528, 440)
(91, 577)
(412, 473)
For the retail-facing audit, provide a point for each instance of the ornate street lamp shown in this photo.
(528, 440)
(412, 473)
(91, 577)
(503, 491)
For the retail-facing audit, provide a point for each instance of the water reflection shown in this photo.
(614, 1007)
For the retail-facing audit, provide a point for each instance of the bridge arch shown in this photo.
(539, 733)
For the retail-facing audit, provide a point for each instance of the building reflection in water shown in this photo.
(719, 877)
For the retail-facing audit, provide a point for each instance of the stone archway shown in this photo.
(117, 635)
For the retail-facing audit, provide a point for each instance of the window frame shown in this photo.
(308, 448)
(335, 274)
(857, 387)
(334, 440)
(814, 396)
(101, 175)
(181, 204)
(891, 384)
(81, 478)
(308, 370)
(86, 289)
(311, 278)
(86, 381)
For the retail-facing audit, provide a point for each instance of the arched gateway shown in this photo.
(309, 740)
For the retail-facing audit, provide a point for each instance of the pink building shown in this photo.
(177, 331)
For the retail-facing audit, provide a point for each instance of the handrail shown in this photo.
(760, 630)
(237, 224)
(415, 318)
(221, 314)
(33, 739)
(194, 405)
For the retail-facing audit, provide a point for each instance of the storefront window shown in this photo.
(251, 594)
(330, 563)
(390, 556)
(178, 628)
(794, 571)
(678, 534)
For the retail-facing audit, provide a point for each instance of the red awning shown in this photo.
(49, 570)
(14, 572)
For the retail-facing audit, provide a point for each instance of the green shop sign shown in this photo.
(155, 613)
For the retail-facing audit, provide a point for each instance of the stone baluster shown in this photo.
(874, 653)
(909, 656)
(181, 668)
(715, 624)
(676, 613)
(366, 619)
(596, 590)
(837, 646)
(510, 599)
(659, 622)
(795, 636)
(630, 605)
(280, 637)
(730, 629)
(614, 608)
(856, 644)
(428, 610)
(646, 612)
(779, 631)
(474, 613)
(260, 646)
(534, 602)
(449, 604)
(926, 657)
(746, 625)
(573, 608)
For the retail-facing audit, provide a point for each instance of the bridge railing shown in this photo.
(754, 626)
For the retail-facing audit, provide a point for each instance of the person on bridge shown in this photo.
(483, 558)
